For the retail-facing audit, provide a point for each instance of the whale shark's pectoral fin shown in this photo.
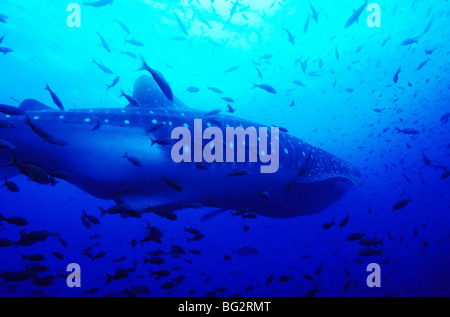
(317, 175)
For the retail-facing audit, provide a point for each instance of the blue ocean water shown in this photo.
(336, 88)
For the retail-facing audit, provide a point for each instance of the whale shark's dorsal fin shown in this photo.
(33, 105)
(149, 95)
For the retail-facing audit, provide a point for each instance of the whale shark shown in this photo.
(122, 154)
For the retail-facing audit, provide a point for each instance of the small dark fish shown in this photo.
(103, 68)
(369, 252)
(227, 257)
(315, 15)
(91, 219)
(408, 131)
(60, 174)
(291, 38)
(318, 271)
(172, 184)
(246, 251)
(160, 80)
(421, 65)
(133, 160)
(119, 259)
(91, 291)
(135, 42)
(195, 252)
(105, 45)
(181, 24)
(259, 73)
(97, 124)
(344, 222)
(298, 83)
(44, 135)
(239, 172)
(120, 274)
(3, 18)
(178, 38)
(355, 236)
(356, 13)
(308, 277)
(12, 187)
(249, 288)
(230, 109)
(123, 26)
(228, 99)
(131, 99)
(263, 194)
(401, 204)
(5, 243)
(114, 83)
(445, 118)
(154, 127)
(246, 228)
(132, 55)
(285, 278)
(192, 230)
(270, 279)
(55, 98)
(98, 3)
(409, 42)
(305, 27)
(44, 281)
(33, 257)
(98, 256)
(445, 174)
(15, 221)
(265, 87)
(5, 50)
(197, 237)
(216, 90)
(396, 75)
(328, 225)
(370, 242)
(10, 110)
(167, 285)
(232, 69)
(193, 89)
(58, 255)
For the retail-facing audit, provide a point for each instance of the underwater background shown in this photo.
(377, 97)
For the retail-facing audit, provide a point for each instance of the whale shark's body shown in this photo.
(94, 142)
